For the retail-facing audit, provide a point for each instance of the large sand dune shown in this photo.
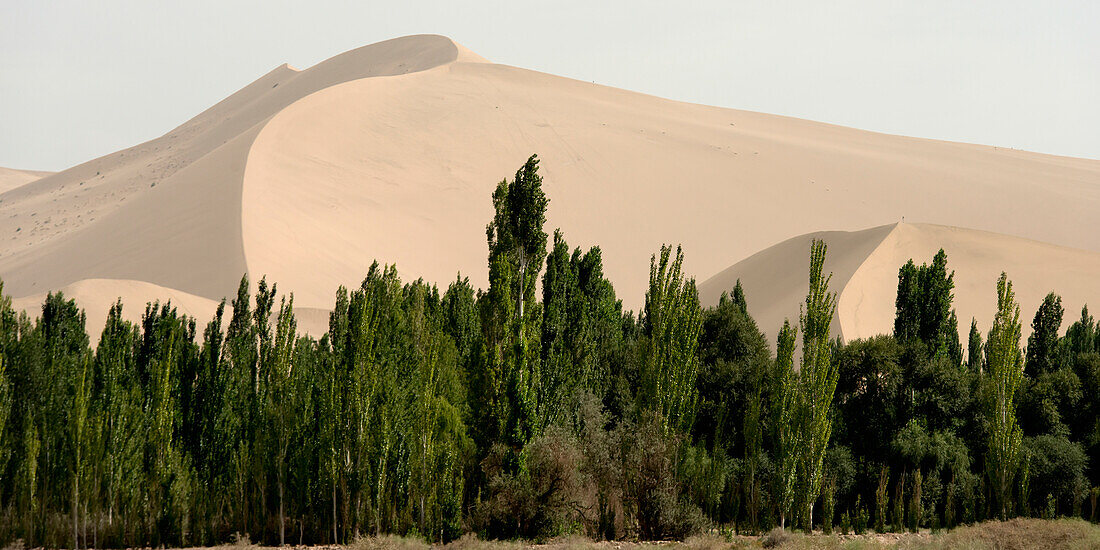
(864, 266)
(391, 151)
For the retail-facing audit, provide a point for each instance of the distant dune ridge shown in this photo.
(391, 152)
(11, 178)
(865, 267)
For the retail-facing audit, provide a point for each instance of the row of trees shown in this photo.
(515, 414)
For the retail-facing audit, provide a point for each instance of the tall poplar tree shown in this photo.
(1005, 373)
(510, 315)
(671, 323)
(818, 376)
(784, 413)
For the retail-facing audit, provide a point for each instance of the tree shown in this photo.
(818, 379)
(788, 439)
(733, 390)
(517, 248)
(580, 327)
(1081, 335)
(671, 323)
(81, 402)
(1005, 373)
(1042, 344)
(6, 443)
(924, 310)
(285, 401)
(974, 348)
(870, 396)
(8, 336)
(1058, 469)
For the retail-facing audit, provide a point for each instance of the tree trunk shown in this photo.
(335, 538)
(76, 508)
(282, 515)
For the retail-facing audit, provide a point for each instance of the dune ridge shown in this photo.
(10, 178)
(391, 152)
(865, 267)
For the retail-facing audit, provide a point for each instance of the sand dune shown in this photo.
(391, 151)
(865, 267)
(11, 178)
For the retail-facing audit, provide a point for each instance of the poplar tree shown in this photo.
(923, 305)
(1043, 342)
(1005, 373)
(285, 402)
(671, 322)
(784, 413)
(5, 413)
(7, 327)
(580, 327)
(509, 314)
(974, 348)
(818, 377)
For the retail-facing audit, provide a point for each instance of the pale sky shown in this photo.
(82, 79)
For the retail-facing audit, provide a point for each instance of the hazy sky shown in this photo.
(81, 79)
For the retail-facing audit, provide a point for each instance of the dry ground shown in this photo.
(1016, 534)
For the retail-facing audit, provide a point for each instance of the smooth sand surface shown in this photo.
(391, 151)
(865, 267)
(11, 178)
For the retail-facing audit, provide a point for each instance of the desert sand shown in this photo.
(391, 151)
(11, 178)
(864, 266)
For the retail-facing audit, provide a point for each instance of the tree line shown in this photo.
(530, 410)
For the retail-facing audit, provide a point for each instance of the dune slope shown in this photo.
(865, 267)
(391, 151)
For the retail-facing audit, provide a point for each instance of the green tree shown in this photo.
(509, 314)
(974, 348)
(923, 304)
(580, 327)
(1042, 344)
(818, 377)
(1081, 335)
(1005, 373)
(785, 411)
(285, 402)
(671, 323)
(81, 402)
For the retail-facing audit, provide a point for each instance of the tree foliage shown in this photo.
(521, 411)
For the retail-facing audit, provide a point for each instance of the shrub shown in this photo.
(389, 542)
(1057, 467)
(916, 509)
(536, 502)
(860, 518)
(882, 500)
(899, 504)
(650, 485)
(776, 537)
(828, 507)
